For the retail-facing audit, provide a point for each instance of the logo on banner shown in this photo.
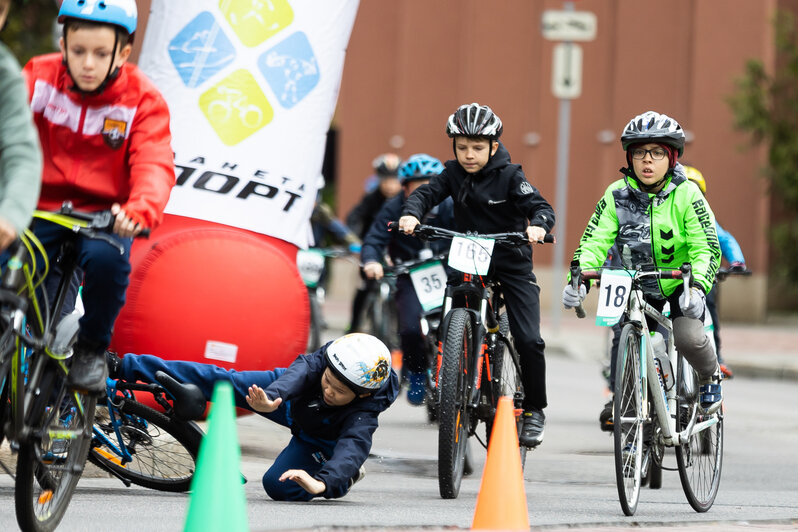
(238, 105)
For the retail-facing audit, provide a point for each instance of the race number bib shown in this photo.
(471, 255)
(613, 294)
(429, 281)
(310, 264)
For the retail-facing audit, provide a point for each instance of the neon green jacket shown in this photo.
(666, 229)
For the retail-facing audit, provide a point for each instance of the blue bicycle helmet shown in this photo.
(122, 13)
(419, 166)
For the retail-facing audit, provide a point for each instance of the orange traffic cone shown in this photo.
(501, 502)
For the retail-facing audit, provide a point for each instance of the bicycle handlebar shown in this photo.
(685, 272)
(725, 272)
(430, 232)
(97, 225)
(405, 267)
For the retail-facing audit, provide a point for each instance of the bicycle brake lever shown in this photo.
(576, 277)
(105, 238)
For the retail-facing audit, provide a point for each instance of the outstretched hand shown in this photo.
(260, 402)
(301, 477)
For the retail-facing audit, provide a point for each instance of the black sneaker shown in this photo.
(605, 417)
(114, 364)
(88, 371)
(532, 431)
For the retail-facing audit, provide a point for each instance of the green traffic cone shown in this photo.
(218, 501)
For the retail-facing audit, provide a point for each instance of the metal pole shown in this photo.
(561, 204)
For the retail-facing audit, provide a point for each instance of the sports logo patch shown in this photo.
(114, 132)
(526, 188)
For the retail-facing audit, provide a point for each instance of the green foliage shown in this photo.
(29, 29)
(766, 106)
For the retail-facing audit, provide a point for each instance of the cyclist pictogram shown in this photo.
(200, 50)
(291, 69)
(236, 107)
(254, 21)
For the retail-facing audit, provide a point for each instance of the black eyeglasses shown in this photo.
(657, 153)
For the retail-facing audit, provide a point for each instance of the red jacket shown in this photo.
(114, 147)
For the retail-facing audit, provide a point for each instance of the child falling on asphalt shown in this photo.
(330, 399)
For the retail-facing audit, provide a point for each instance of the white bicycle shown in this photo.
(655, 406)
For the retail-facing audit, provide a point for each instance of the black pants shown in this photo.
(522, 301)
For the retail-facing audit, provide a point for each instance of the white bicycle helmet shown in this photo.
(474, 120)
(361, 361)
(652, 126)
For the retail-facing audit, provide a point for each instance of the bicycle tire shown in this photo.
(164, 449)
(431, 391)
(48, 467)
(700, 460)
(453, 414)
(314, 334)
(628, 420)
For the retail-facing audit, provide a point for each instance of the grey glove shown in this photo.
(570, 297)
(697, 304)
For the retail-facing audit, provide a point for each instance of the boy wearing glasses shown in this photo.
(658, 218)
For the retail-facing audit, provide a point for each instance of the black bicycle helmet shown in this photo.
(474, 120)
(386, 164)
(653, 127)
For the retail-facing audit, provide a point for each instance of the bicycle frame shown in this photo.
(664, 402)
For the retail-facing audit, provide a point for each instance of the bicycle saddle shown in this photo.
(189, 402)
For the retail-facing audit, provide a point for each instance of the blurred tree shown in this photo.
(29, 30)
(766, 106)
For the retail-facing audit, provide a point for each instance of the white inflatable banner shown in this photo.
(251, 87)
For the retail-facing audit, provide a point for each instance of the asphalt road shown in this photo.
(569, 480)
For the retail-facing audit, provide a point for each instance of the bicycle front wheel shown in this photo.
(628, 419)
(700, 459)
(52, 459)
(453, 415)
(163, 450)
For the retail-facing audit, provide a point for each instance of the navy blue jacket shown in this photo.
(350, 426)
(402, 247)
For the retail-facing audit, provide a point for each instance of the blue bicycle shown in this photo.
(140, 445)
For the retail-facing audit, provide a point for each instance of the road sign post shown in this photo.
(566, 84)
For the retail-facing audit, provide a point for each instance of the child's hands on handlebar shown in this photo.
(373, 270)
(535, 234)
(125, 226)
(407, 224)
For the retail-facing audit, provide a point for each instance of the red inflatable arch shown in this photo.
(211, 293)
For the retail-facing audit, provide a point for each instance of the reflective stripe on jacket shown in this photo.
(113, 147)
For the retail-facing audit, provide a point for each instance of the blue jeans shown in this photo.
(302, 452)
(105, 280)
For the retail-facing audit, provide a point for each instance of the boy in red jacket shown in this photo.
(104, 131)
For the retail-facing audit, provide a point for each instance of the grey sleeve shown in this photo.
(20, 153)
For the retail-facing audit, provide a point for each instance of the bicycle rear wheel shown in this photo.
(700, 460)
(164, 450)
(453, 414)
(628, 420)
(52, 459)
